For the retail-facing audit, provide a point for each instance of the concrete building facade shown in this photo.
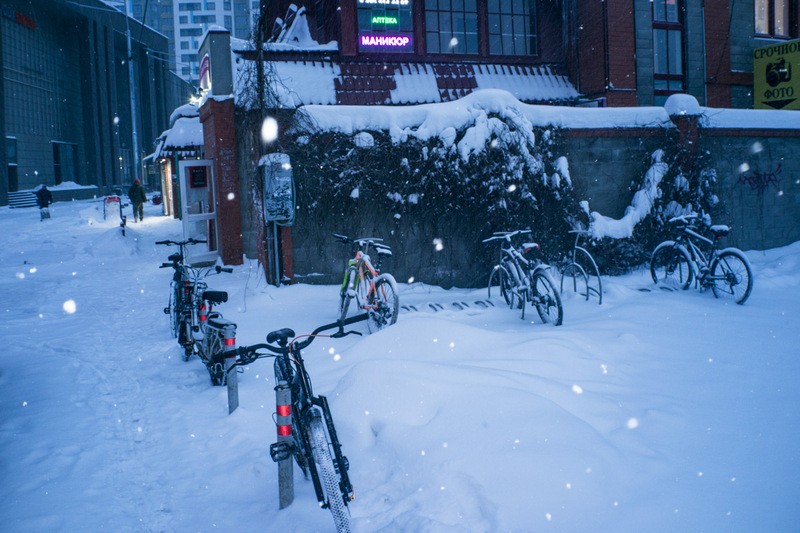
(68, 109)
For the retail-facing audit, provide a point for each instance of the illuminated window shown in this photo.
(773, 18)
(451, 26)
(668, 77)
(385, 26)
(512, 28)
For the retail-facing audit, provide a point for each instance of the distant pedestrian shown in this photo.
(43, 199)
(138, 198)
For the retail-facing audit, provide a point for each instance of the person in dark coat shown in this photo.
(138, 197)
(43, 199)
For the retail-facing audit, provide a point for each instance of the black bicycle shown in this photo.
(692, 256)
(180, 295)
(313, 443)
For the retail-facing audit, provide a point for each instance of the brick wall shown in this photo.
(219, 138)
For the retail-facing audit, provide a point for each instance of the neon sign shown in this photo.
(385, 40)
(384, 20)
(385, 26)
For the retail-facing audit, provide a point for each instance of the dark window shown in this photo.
(774, 18)
(11, 157)
(191, 32)
(319, 13)
(668, 77)
(512, 27)
(195, 6)
(451, 26)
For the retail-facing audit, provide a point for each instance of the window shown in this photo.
(184, 19)
(195, 6)
(385, 26)
(451, 26)
(191, 32)
(668, 77)
(319, 12)
(512, 28)
(185, 45)
(773, 18)
(204, 19)
(228, 21)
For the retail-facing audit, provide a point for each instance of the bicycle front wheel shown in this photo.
(671, 266)
(546, 298)
(383, 303)
(732, 276)
(329, 479)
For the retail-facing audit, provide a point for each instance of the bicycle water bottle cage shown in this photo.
(280, 336)
(215, 297)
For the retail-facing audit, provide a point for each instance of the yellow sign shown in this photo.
(776, 76)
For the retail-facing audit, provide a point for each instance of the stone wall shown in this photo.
(758, 185)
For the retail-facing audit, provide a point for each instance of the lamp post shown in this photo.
(131, 84)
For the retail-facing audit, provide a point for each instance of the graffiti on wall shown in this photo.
(760, 181)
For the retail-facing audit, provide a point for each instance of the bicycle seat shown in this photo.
(175, 257)
(219, 322)
(215, 297)
(382, 250)
(281, 336)
(719, 230)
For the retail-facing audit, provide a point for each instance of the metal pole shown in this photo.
(277, 256)
(283, 419)
(231, 376)
(132, 83)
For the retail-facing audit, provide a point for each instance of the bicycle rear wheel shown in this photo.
(732, 276)
(329, 478)
(174, 311)
(383, 303)
(671, 266)
(546, 298)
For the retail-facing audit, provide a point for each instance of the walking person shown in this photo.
(138, 197)
(43, 199)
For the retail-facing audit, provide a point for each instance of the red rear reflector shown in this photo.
(230, 342)
(284, 410)
(284, 431)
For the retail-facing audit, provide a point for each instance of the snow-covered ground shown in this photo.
(657, 411)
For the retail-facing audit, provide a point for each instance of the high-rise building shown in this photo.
(184, 22)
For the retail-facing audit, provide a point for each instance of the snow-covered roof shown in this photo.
(186, 134)
(186, 110)
(334, 81)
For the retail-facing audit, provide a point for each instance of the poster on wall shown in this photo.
(385, 26)
(198, 177)
(776, 76)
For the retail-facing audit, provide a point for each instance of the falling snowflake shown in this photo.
(69, 307)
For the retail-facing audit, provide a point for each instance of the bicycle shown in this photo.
(211, 334)
(309, 435)
(374, 292)
(524, 280)
(180, 301)
(581, 268)
(677, 263)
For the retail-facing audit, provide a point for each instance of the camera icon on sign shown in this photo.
(778, 72)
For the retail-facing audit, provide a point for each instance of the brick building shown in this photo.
(616, 53)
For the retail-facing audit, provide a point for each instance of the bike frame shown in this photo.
(701, 261)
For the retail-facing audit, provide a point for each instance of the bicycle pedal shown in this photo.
(280, 451)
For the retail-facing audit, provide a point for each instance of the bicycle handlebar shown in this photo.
(181, 243)
(285, 333)
(506, 235)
